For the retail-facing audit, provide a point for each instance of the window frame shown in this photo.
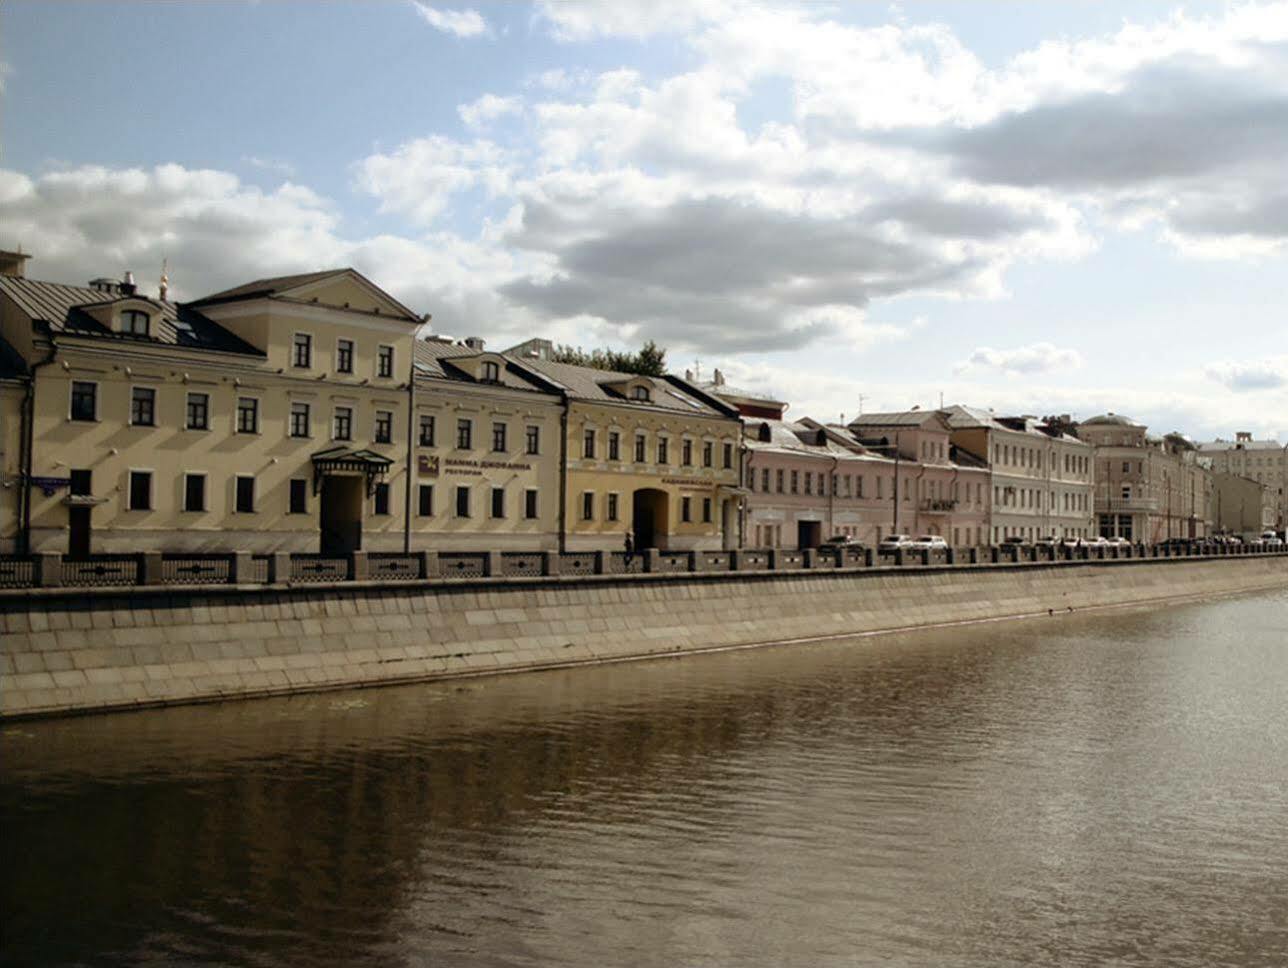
(237, 493)
(531, 504)
(464, 433)
(383, 371)
(496, 504)
(344, 354)
(588, 505)
(382, 431)
(303, 507)
(501, 436)
(296, 407)
(491, 372)
(424, 500)
(297, 345)
(335, 423)
(381, 500)
(134, 315)
(129, 493)
(71, 401)
(614, 445)
(426, 421)
(187, 411)
(532, 440)
(238, 426)
(463, 497)
(151, 397)
(189, 476)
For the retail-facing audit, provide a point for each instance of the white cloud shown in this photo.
(274, 165)
(486, 109)
(581, 20)
(420, 177)
(1022, 360)
(1270, 373)
(460, 23)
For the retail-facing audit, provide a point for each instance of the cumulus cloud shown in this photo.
(459, 23)
(1022, 360)
(420, 177)
(1265, 374)
(580, 20)
(484, 110)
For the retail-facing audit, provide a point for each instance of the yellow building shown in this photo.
(653, 456)
(271, 416)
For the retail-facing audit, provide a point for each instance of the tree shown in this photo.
(650, 360)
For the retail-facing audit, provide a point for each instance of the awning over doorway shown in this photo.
(347, 461)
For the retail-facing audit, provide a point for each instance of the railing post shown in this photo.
(239, 566)
(549, 563)
(807, 557)
(359, 566)
(735, 560)
(898, 556)
(600, 562)
(771, 559)
(427, 564)
(150, 568)
(49, 569)
(279, 567)
(925, 556)
(950, 556)
(650, 560)
(492, 566)
(869, 557)
(994, 554)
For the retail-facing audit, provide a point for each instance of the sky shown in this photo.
(1033, 207)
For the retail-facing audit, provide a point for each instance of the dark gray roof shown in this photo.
(63, 308)
(588, 383)
(1111, 420)
(434, 359)
(271, 285)
(904, 418)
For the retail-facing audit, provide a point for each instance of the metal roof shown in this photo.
(588, 383)
(271, 285)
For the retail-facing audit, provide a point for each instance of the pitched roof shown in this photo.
(62, 307)
(434, 359)
(903, 418)
(271, 286)
(588, 383)
(1221, 446)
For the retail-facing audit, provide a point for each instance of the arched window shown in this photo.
(134, 322)
(491, 372)
(639, 393)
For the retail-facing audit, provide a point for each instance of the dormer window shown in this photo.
(134, 322)
(491, 372)
(640, 393)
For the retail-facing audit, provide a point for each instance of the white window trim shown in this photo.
(375, 423)
(536, 504)
(587, 504)
(188, 394)
(353, 355)
(259, 415)
(129, 488)
(308, 421)
(312, 348)
(205, 493)
(335, 412)
(393, 362)
(607, 498)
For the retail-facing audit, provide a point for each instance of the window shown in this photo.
(245, 495)
(134, 322)
(384, 427)
(464, 434)
(614, 445)
(1126, 466)
(498, 438)
(344, 356)
(640, 444)
(198, 416)
(247, 415)
(299, 496)
(686, 453)
(462, 502)
(302, 351)
(612, 507)
(1126, 492)
(143, 406)
(425, 500)
(498, 502)
(588, 445)
(795, 481)
(84, 401)
(779, 481)
(530, 503)
(809, 482)
(385, 362)
(532, 440)
(639, 393)
(382, 498)
(764, 480)
(708, 453)
(706, 510)
(342, 425)
(81, 483)
(686, 509)
(588, 506)
(661, 450)
(426, 430)
(194, 492)
(491, 372)
(299, 420)
(140, 491)
(728, 456)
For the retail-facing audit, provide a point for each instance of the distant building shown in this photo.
(1241, 506)
(1041, 478)
(1263, 461)
(1148, 489)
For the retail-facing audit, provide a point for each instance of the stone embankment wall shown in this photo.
(74, 651)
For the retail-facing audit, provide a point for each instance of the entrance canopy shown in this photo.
(349, 462)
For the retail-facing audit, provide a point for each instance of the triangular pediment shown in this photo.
(348, 289)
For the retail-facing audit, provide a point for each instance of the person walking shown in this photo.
(630, 547)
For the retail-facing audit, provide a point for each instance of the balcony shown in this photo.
(1126, 504)
(935, 506)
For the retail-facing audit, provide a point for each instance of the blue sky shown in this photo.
(1035, 207)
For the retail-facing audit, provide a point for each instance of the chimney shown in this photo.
(13, 264)
(1243, 437)
(475, 343)
(718, 378)
(127, 287)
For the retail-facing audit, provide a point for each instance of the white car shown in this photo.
(1119, 542)
(932, 541)
(892, 542)
(1269, 539)
(1097, 541)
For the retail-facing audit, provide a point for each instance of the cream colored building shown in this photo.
(1241, 506)
(1263, 461)
(1041, 479)
(1148, 489)
(271, 416)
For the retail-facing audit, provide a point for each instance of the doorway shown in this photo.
(340, 514)
(649, 518)
(79, 518)
(809, 534)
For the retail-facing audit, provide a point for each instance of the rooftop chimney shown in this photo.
(475, 343)
(718, 378)
(1243, 436)
(13, 263)
(127, 287)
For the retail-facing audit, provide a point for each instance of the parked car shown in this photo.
(842, 541)
(1015, 541)
(1047, 541)
(1118, 542)
(1176, 544)
(893, 542)
(1096, 541)
(932, 541)
(1271, 539)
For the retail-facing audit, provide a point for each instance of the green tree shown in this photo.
(649, 360)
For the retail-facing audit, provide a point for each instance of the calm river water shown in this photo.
(1082, 790)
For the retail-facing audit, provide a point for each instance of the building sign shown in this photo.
(50, 485)
(689, 482)
(427, 465)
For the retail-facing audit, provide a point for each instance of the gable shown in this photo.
(350, 290)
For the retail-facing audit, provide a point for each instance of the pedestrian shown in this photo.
(630, 547)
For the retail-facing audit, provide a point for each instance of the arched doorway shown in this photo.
(649, 518)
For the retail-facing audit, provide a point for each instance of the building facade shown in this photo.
(1041, 479)
(1148, 489)
(1241, 506)
(1263, 461)
(932, 487)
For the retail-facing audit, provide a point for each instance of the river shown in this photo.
(1107, 788)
